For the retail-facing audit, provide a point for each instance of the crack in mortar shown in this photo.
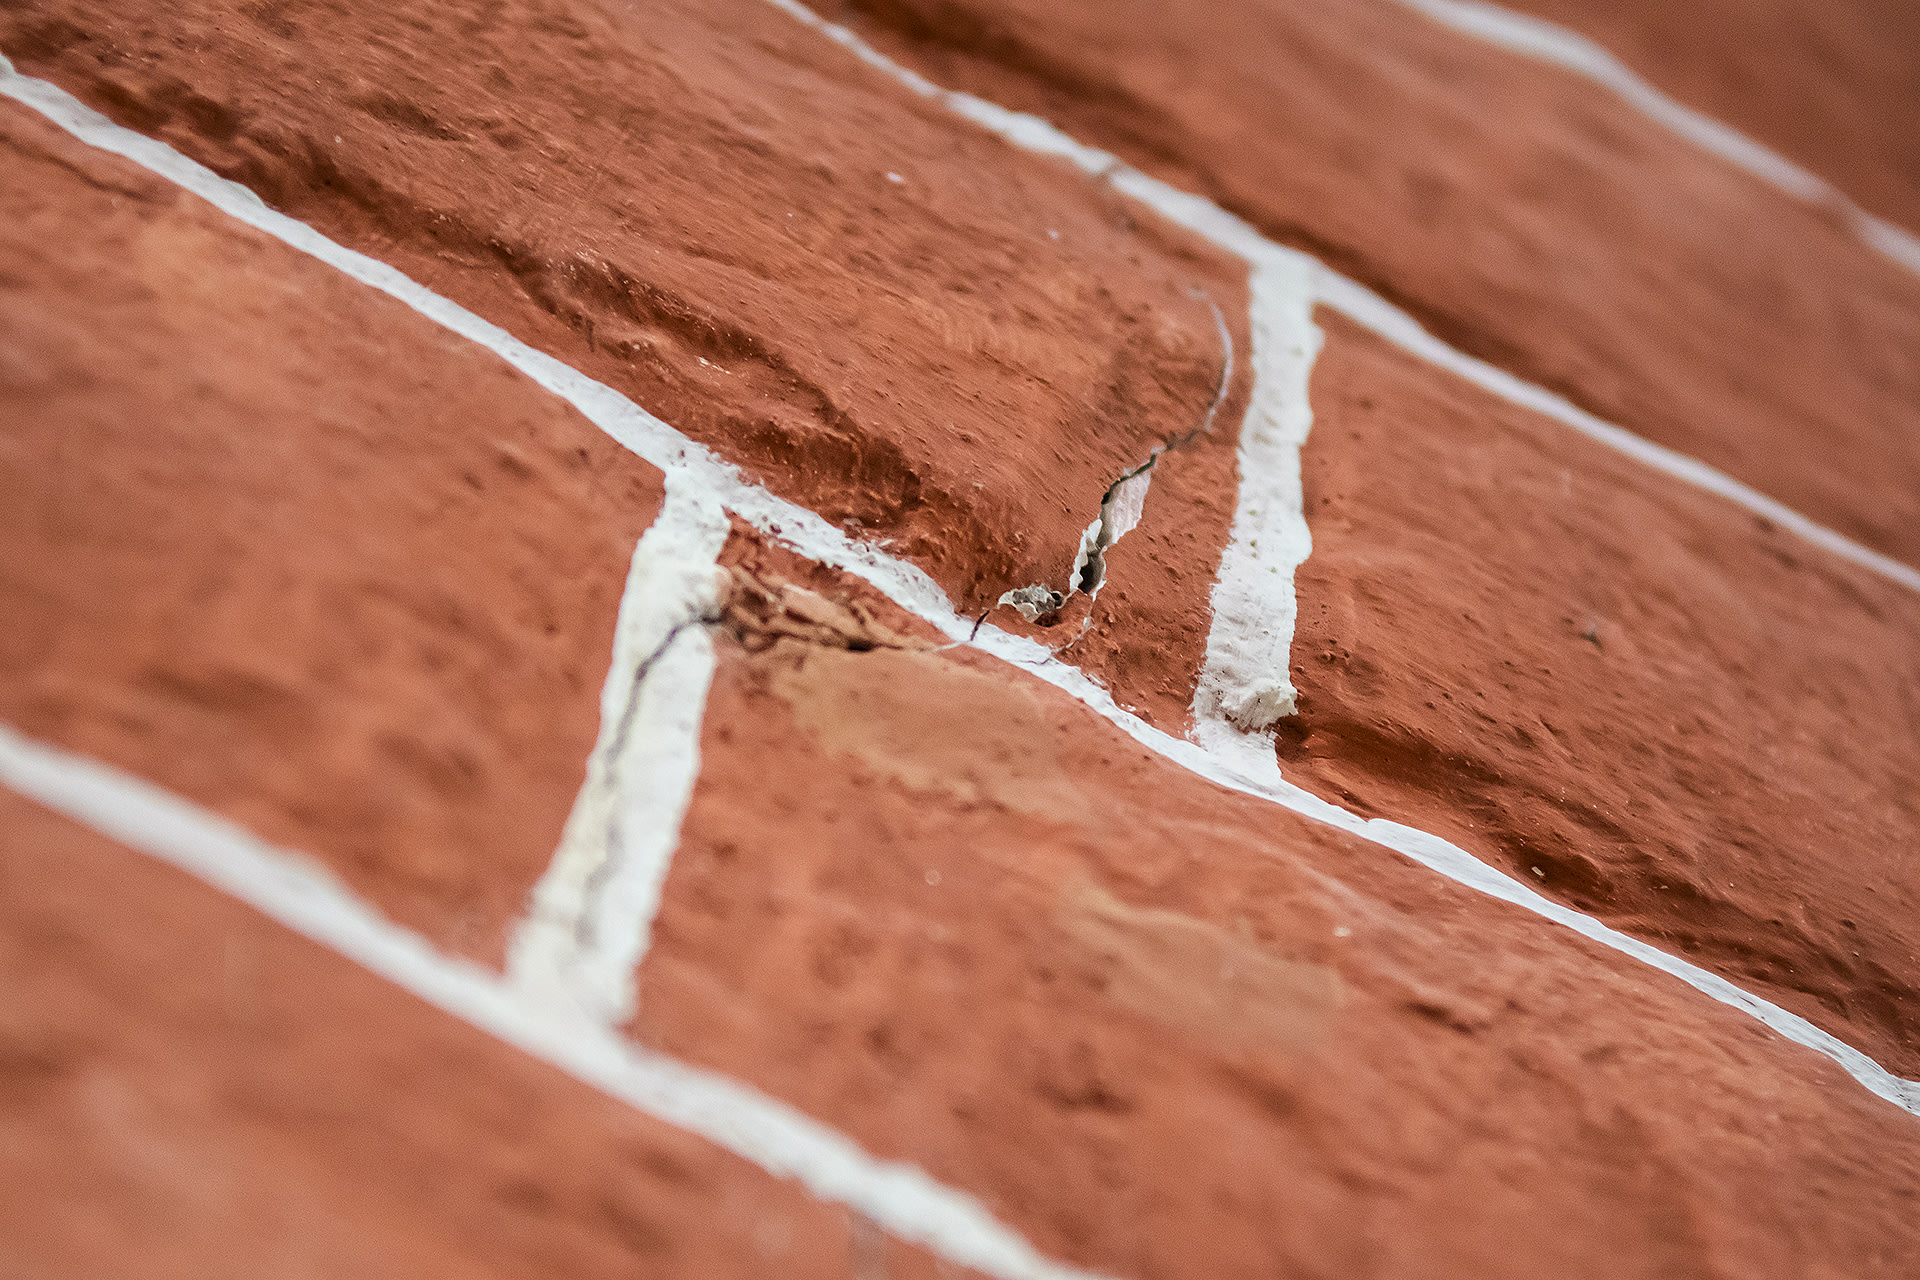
(758, 614)
(1233, 233)
(586, 926)
(590, 916)
(1232, 748)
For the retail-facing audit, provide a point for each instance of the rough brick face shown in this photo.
(1634, 693)
(1834, 87)
(259, 548)
(1171, 1033)
(710, 208)
(195, 1091)
(730, 661)
(1526, 215)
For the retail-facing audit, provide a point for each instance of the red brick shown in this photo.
(278, 543)
(1169, 1030)
(1835, 87)
(1697, 728)
(188, 1089)
(1523, 213)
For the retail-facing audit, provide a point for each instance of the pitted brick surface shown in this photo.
(1168, 1030)
(189, 1090)
(1631, 693)
(1523, 213)
(276, 542)
(945, 938)
(784, 254)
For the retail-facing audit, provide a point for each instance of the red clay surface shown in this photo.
(698, 204)
(1171, 1031)
(1145, 635)
(287, 549)
(1833, 86)
(1699, 729)
(277, 543)
(189, 1090)
(1522, 213)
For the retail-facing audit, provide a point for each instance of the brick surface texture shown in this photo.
(959, 638)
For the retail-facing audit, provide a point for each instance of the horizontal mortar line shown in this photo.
(1248, 765)
(305, 897)
(1231, 232)
(1548, 42)
(1260, 776)
(1360, 304)
(631, 426)
(1388, 321)
(907, 585)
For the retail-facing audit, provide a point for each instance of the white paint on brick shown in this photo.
(591, 915)
(307, 899)
(1546, 42)
(1245, 678)
(1243, 762)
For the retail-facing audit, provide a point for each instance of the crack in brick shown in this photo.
(1122, 505)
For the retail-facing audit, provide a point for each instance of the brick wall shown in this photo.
(986, 638)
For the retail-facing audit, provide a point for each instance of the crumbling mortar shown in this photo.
(615, 844)
(758, 614)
